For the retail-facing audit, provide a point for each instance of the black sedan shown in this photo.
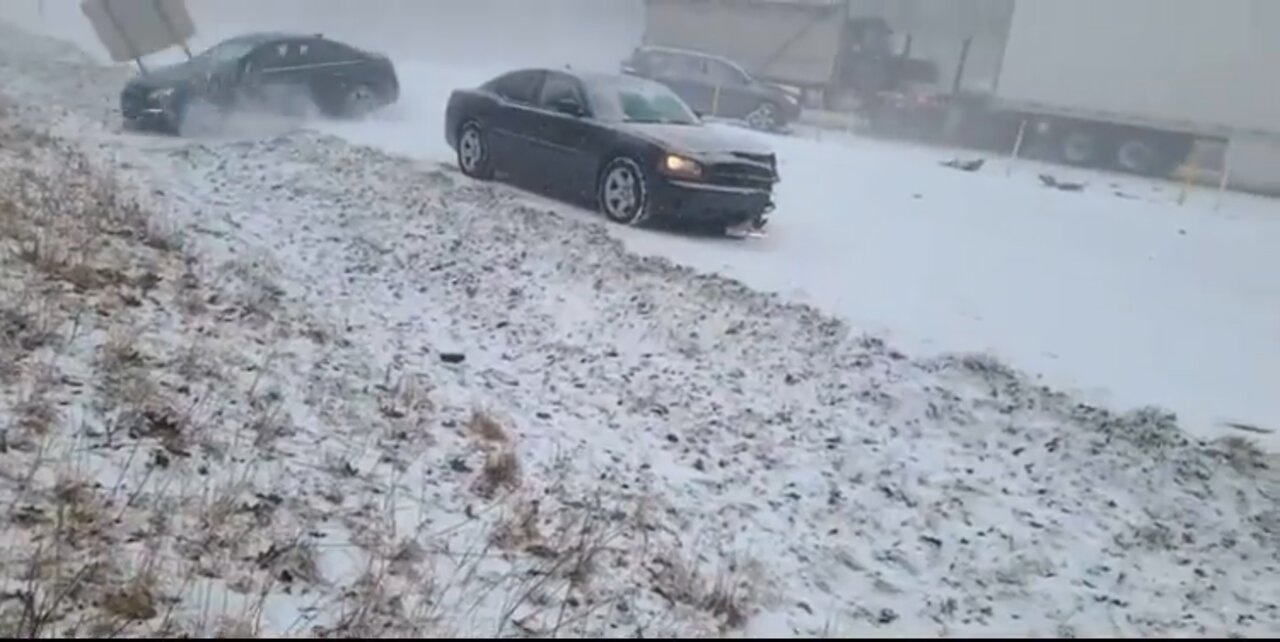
(280, 73)
(627, 144)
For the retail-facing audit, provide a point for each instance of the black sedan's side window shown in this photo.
(321, 52)
(559, 88)
(517, 86)
(267, 58)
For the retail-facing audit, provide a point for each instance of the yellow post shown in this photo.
(1190, 174)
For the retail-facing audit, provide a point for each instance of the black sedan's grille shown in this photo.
(766, 159)
(741, 175)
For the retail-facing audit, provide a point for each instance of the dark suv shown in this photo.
(715, 86)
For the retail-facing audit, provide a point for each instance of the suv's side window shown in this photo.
(681, 66)
(517, 86)
(560, 87)
(656, 62)
(724, 75)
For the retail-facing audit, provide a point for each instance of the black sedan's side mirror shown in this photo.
(569, 107)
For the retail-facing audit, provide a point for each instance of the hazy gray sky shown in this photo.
(457, 31)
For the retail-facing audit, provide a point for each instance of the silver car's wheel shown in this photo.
(765, 117)
(622, 192)
(473, 153)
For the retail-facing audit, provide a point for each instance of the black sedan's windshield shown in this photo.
(634, 100)
(227, 51)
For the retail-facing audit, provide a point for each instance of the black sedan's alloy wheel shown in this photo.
(622, 192)
(473, 152)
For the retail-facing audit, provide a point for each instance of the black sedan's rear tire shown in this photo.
(623, 192)
(360, 101)
(474, 157)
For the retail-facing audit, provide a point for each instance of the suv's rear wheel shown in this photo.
(764, 117)
(622, 193)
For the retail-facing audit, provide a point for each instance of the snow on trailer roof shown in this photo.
(812, 3)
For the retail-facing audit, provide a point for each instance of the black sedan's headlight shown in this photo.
(677, 166)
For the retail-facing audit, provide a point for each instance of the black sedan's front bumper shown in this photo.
(152, 120)
(142, 112)
(706, 203)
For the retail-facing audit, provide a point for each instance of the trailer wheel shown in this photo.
(1151, 154)
(1081, 145)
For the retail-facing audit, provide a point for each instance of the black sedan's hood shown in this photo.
(696, 139)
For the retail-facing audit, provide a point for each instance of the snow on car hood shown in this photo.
(697, 139)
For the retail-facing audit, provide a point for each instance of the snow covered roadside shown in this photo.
(626, 447)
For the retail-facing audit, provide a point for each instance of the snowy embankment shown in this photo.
(306, 387)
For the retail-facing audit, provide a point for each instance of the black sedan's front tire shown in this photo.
(623, 192)
(196, 117)
(474, 157)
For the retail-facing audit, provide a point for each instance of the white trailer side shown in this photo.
(1200, 66)
(1132, 84)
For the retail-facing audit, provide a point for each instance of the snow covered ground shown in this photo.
(442, 406)
(1118, 293)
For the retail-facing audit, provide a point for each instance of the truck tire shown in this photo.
(1082, 145)
(1148, 153)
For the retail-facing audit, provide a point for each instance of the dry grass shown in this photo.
(158, 474)
(1242, 454)
(484, 426)
(728, 594)
(501, 472)
(68, 241)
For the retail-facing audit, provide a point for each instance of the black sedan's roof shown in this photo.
(257, 37)
(601, 77)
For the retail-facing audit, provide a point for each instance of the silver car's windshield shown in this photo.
(638, 101)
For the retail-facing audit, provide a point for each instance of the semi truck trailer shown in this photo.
(1134, 86)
